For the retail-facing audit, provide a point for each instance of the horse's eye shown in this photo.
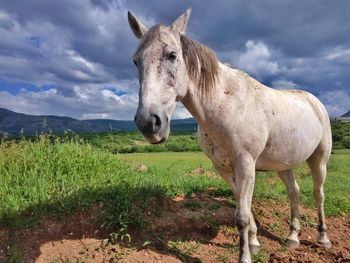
(135, 62)
(171, 56)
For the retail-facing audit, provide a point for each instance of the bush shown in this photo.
(341, 135)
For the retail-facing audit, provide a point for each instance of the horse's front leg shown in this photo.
(244, 180)
(254, 244)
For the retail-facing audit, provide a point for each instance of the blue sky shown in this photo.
(73, 57)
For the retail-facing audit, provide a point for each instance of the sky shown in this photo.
(73, 57)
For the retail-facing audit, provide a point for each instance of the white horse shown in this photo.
(244, 126)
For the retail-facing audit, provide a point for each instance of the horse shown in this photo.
(243, 125)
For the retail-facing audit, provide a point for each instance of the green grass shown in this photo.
(173, 171)
(131, 142)
(336, 187)
(179, 161)
(56, 177)
(53, 178)
(44, 178)
(268, 185)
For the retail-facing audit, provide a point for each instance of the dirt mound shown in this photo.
(192, 229)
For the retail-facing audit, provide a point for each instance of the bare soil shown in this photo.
(199, 228)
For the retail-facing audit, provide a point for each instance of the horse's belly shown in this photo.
(294, 149)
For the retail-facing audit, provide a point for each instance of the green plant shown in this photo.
(184, 247)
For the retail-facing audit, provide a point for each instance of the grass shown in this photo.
(55, 177)
(132, 142)
(175, 161)
(268, 185)
(336, 187)
(40, 178)
(184, 247)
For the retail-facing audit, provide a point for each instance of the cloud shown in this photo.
(181, 112)
(86, 102)
(257, 60)
(283, 84)
(78, 102)
(336, 102)
(338, 53)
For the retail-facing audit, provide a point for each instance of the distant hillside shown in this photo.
(115, 125)
(346, 114)
(13, 124)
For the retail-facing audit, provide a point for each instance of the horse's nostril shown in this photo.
(157, 123)
(135, 117)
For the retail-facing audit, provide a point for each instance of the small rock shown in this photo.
(141, 167)
(198, 170)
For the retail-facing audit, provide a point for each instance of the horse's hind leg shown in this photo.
(318, 166)
(293, 194)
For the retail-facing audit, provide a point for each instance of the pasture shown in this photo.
(64, 200)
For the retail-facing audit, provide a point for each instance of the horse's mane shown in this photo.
(201, 62)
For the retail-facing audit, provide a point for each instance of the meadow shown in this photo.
(56, 177)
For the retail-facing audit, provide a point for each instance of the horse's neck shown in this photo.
(201, 105)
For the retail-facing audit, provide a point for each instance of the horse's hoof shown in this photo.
(245, 260)
(325, 244)
(254, 249)
(292, 244)
(323, 240)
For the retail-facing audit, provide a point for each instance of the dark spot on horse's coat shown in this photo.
(273, 113)
(268, 144)
(227, 92)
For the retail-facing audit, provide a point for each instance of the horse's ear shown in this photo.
(181, 22)
(136, 26)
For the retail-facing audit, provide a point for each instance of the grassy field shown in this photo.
(57, 177)
(132, 142)
(268, 185)
(46, 178)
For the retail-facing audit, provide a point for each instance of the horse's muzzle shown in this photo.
(153, 127)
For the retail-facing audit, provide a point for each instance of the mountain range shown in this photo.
(15, 124)
(346, 114)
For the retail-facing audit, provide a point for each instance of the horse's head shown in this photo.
(162, 74)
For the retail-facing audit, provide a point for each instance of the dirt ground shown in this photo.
(199, 228)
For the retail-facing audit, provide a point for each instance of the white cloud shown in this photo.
(336, 102)
(257, 59)
(181, 112)
(89, 101)
(87, 116)
(86, 102)
(337, 52)
(283, 84)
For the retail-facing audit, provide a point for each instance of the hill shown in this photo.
(14, 124)
(346, 114)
